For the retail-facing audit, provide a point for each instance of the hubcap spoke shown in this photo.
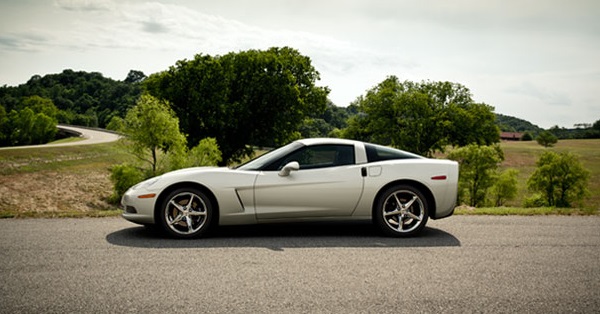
(400, 223)
(179, 207)
(393, 213)
(190, 224)
(409, 203)
(413, 216)
(176, 220)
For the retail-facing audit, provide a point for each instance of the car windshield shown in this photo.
(261, 161)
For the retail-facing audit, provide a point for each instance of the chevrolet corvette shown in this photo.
(308, 180)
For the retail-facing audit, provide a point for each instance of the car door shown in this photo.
(327, 183)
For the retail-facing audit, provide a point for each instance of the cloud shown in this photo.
(154, 27)
(85, 5)
(544, 95)
(23, 41)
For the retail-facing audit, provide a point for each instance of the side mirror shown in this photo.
(289, 167)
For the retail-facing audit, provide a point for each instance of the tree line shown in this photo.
(248, 91)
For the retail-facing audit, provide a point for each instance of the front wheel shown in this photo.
(401, 211)
(185, 213)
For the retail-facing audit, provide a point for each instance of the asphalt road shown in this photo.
(90, 136)
(463, 264)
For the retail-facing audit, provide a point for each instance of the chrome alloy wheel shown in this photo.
(186, 213)
(403, 211)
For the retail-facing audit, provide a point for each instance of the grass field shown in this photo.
(523, 155)
(70, 181)
(74, 181)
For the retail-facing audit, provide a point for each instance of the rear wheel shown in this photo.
(401, 211)
(186, 213)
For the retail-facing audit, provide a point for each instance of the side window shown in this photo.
(319, 156)
(381, 153)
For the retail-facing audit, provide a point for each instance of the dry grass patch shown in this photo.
(58, 181)
(50, 193)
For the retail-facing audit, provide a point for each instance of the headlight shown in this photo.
(146, 184)
(151, 182)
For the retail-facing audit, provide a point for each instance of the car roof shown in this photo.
(325, 140)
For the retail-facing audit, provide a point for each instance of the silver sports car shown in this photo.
(307, 180)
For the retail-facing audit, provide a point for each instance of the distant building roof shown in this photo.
(511, 136)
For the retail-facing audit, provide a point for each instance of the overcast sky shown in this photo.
(538, 60)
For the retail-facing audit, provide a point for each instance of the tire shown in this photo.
(401, 211)
(180, 220)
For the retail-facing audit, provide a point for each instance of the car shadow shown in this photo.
(277, 237)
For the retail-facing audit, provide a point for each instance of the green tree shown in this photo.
(505, 187)
(21, 125)
(44, 129)
(206, 153)
(153, 130)
(74, 93)
(327, 124)
(527, 137)
(422, 117)
(560, 178)
(4, 131)
(34, 123)
(315, 127)
(546, 139)
(478, 165)
(247, 98)
(40, 105)
(135, 76)
(593, 131)
(116, 124)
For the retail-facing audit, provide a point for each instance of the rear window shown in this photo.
(380, 153)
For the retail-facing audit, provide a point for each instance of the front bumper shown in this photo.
(136, 209)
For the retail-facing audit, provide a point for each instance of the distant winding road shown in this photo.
(90, 137)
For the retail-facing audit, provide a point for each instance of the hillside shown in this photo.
(512, 124)
(83, 98)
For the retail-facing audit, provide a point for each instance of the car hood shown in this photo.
(182, 174)
(186, 174)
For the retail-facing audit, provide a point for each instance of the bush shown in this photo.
(123, 177)
(537, 200)
(206, 153)
(478, 165)
(505, 187)
(116, 124)
(527, 137)
(546, 139)
(560, 178)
